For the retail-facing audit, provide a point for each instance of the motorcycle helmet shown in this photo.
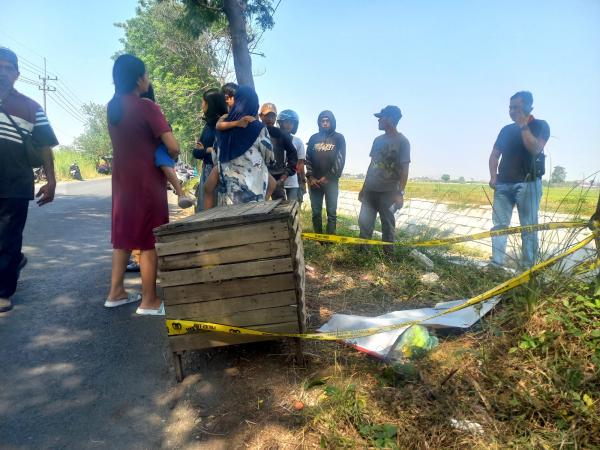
(290, 115)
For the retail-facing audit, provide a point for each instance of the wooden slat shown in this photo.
(199, 341)
(242, 213)
(250, 319)
(248, 252)
(227, 289)
(295, 237)
(221, 238)
(226, 272)
(217, 310)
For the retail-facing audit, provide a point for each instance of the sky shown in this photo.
(450, 66)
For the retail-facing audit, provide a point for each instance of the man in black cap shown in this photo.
(20, 119)
(383, 190)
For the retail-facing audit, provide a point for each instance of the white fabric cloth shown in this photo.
(292, 182)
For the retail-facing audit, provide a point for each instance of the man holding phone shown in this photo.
(516, 169)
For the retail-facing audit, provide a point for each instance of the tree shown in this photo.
(461, 179)
(446, 177)
(181, 64)
(204, 13)
(94, 141)
(559, 175)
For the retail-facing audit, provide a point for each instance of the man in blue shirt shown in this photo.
(516, 166)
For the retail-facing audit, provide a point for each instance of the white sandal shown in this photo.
(131, 298)
(151, 312)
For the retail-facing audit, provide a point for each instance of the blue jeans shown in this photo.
(526, 196)
(293, 194)
(330, 192)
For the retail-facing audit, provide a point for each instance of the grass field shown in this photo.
(562, 199)
(525, 376)
(64, 158)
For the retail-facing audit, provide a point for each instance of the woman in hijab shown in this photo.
(244, 152)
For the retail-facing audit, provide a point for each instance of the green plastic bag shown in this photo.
(414, 343)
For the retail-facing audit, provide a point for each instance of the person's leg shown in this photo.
(502, 213)
(183, 200)
(528, 196)
(271, 186)
(316, 204)
(331, 199)
(292, 194)
(148, 269)
(367, 216)
(120, 258)
(13, 215)
(210, 187)
(388, 220)
(279, 191)
(206, 169)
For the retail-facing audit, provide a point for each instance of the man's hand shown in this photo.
(46, 194)
(492, 183)
(521, 119)
(282, 178)
(313, 182)
(323, 181)
(399, 201)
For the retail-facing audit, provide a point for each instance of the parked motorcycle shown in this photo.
(75, 171)
(104, 166)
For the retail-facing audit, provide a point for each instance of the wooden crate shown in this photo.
(240, 265)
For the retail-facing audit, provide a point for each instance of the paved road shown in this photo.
(75, 375)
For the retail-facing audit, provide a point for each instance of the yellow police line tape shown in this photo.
(179, 327)
(446, 241)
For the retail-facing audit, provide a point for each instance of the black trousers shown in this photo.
(13, 214)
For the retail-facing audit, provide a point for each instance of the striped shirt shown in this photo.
(16, 176)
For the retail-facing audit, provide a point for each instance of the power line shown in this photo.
(70, 93)
(29, 80)
(46, 75)
(45, 87)
(66, 108)
(75, 108)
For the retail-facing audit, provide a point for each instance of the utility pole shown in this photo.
(45, 87)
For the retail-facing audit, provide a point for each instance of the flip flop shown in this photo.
(151, 312)
(133, 297)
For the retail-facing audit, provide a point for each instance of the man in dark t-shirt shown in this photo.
(383, 190)
(515, 175)
(19, 117)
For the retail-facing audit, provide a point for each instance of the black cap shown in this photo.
(7, 54)
(393, 112)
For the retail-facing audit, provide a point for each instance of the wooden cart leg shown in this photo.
(299, 353)
(178, 366)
